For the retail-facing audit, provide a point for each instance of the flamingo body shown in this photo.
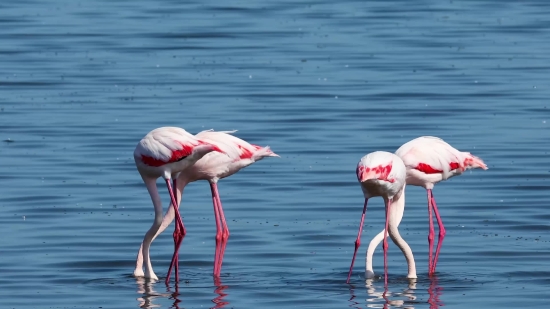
(213, 167)
(240, 154)
(430, 160)
(165, 152)
(383, 174)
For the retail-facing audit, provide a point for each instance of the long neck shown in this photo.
(397, 207)
(151, 184)
(396, 214)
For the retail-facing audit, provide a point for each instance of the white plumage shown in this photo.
(213, 166)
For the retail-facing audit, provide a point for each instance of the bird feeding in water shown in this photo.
(237, 154)
(383, 174)
(165, 152)
(430, 160)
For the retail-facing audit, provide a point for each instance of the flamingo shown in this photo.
(430, 160)
(383, 174)
(165, 152)
(212, 167)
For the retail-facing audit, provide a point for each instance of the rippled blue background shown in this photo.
(322, 83)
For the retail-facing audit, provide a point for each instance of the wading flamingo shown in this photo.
(212, 167)
(430, 160)
(383, 174)
(165, 152)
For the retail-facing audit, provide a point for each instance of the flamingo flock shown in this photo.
(181, 158)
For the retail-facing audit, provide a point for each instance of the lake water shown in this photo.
(322, 83)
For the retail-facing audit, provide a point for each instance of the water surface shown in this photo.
(322, 83)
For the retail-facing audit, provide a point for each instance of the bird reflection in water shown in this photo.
(383, 296)
(145, 287)
(376, 298)
(434, 290)
(218, 301)
(174, 296)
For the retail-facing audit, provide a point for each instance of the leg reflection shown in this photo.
(174, 296)
(145, 287)
(388, 298)
(434, 290)
(218, 301)
(354, 303)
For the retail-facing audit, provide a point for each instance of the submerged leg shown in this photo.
(430, 232)
(178, 232)
(385, 245)
(224, 231)
(166, 221)
(358, 240)
(442, 232)
(218, 229)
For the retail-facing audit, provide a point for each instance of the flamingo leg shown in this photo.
(358, 240)
(385, 245)
(224, 230)
(179, 232)
(218, 229)
(430, 233)
(442, 232)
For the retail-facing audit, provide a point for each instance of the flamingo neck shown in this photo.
(151, 184)
(396, 215)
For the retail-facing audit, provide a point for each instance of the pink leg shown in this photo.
(358, 240)
(225, 229)
(430, 233)
(179, 232)
(442, 233)
(385, 245)
(218, 229)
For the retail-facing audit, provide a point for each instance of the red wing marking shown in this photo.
(425, 168)
(428, 169)
(454, 165)
(175, 156)
(245, 153)
(359, 171)
(381, 171)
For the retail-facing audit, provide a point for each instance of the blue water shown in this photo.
(322, 83)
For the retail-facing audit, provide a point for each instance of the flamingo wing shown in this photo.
(165, 145)
(240, 149)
